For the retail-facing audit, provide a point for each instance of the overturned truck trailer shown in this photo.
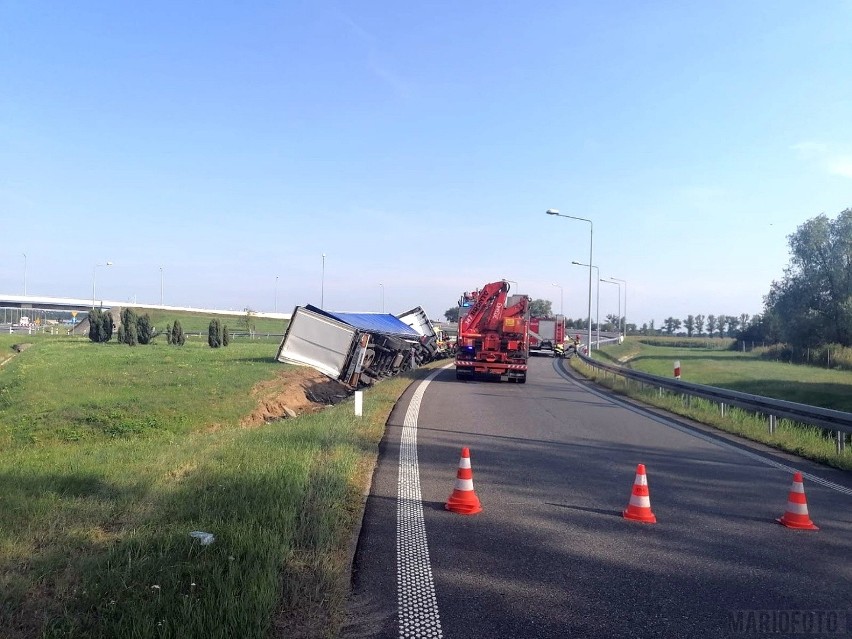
(417, 319)
(357, 349)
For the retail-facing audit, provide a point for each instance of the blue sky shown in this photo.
(418, 146)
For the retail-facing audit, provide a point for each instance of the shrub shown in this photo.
(214, 334)
(129, 335)
(95, 325)
(248, 322)
(226, 335)
(144, 330)
(107, 326)
(178, 338)
(100, 326)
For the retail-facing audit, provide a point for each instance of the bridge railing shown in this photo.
(835, 421)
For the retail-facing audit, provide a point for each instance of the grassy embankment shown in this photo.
(198, 322)
(744, 372)
(112, 455)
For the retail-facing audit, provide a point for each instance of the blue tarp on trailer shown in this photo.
(385, 324)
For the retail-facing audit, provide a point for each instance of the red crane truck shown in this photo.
(493, 337)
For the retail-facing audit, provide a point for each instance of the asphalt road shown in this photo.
(551, 556)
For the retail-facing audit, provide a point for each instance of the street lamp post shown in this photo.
(619, 302)
(561, 300)
(597, 302)
(624, 329)
(591, 260)
(94, 270)
(161, 286)
(276, 293)
(25, 272)
(322, 284)
(383, 296)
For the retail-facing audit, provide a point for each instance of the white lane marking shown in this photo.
(711, 440)
(418, 606)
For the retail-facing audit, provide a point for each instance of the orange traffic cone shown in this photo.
(796, 515)
(639, 508)
(464, 500)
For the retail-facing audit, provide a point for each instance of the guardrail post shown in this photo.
(773, 424)
(841, 441)
(722, 408)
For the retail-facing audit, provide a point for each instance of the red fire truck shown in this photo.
(545, 334)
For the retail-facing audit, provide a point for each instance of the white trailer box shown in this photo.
(316, 340)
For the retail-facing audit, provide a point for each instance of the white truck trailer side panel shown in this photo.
(317, 341)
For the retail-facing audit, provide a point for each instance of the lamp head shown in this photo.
(552, 211)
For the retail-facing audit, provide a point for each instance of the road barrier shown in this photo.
(836, 421)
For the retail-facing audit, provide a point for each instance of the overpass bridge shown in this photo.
(25, 303)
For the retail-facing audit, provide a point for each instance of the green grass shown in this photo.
(735, 370)
(198, 322)
(67, 388)
(744, 372)
(112, 455)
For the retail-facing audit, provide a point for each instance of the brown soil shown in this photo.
(293, 392)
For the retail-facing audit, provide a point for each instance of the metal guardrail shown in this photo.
(837, 421)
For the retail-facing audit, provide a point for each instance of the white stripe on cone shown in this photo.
(797, 509)
(464, 484)
(641, 480)
(641, 502)
(464, 462)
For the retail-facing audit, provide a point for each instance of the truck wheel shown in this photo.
(522, 379)
(462, 376)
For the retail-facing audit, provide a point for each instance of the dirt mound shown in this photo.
(294, 392)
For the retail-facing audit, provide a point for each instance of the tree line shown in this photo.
(721, 325)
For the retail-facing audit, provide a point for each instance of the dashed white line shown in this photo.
(418, 605)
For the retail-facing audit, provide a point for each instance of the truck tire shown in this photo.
(463, 376)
